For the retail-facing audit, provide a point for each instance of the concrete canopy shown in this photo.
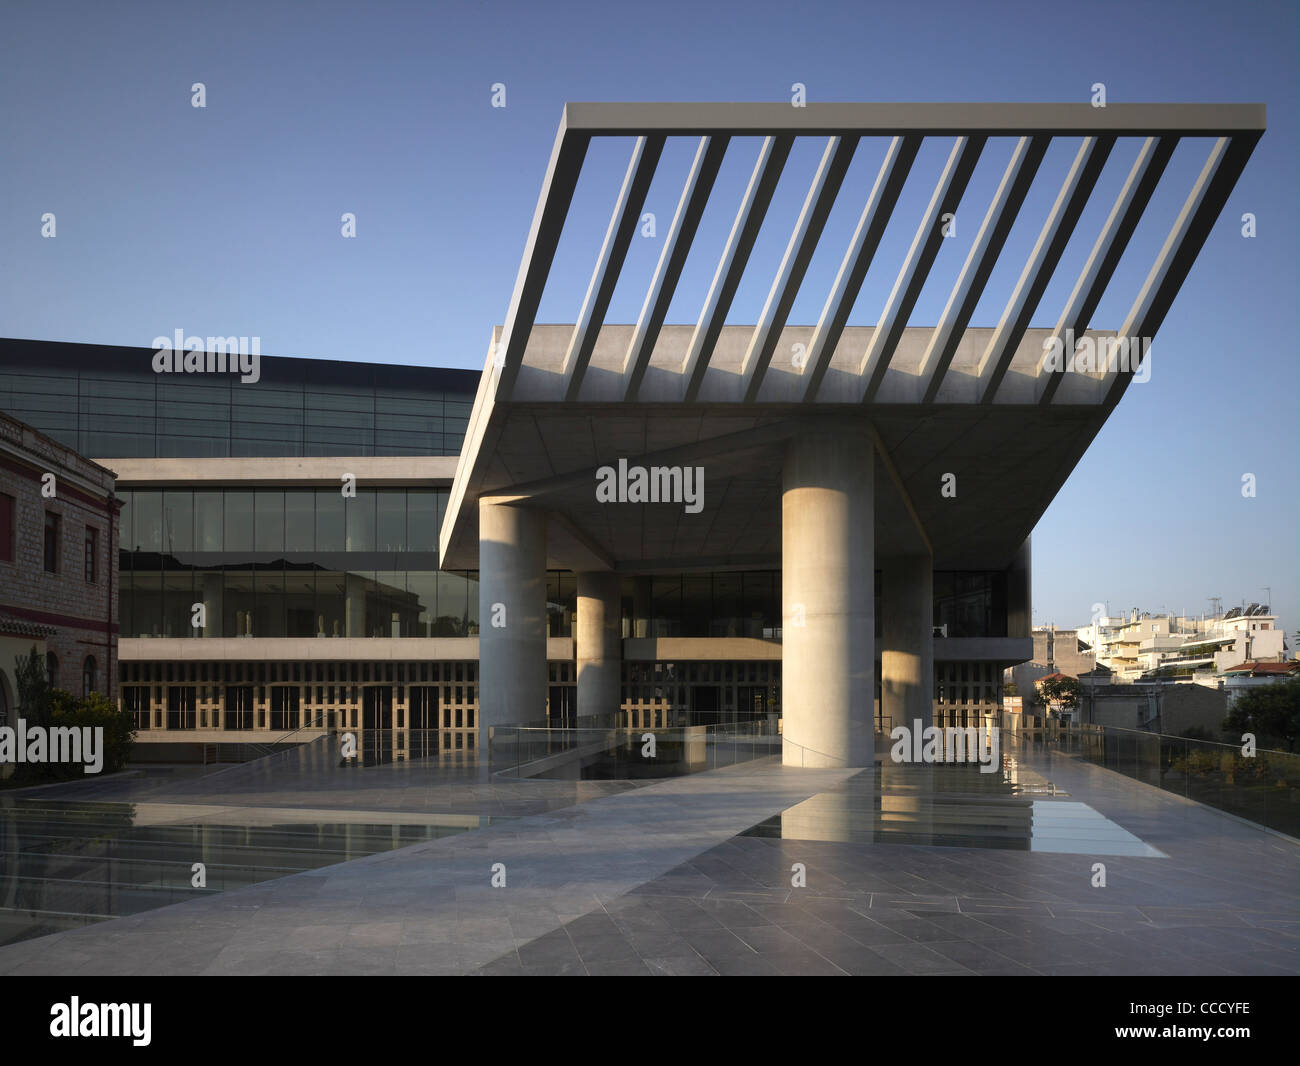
(983, 404)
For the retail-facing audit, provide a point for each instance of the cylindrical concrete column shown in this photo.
(906, 639)
(827, 591)
(598, 635)
(512, 615)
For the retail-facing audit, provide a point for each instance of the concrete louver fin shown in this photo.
(875, 216)
(1222, 168)
(609, 264)
(735, 255)
(998, 220)
(677, 243)
(1143, 177)
(794, 264)
(562, 172)
(920, 258)
(1052, 239)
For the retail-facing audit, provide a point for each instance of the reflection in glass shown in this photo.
(268, 596)
(423, 517)
(237, 604)
(238, 521)
(147, 524)
(453, 608)
(208, 520)
(178, 600)
(329, 521)
(208, 586)
(124, 526)
(423, 585)
(331, 603)
(391, 521)
(178, 521)
(299, 520)
(299, 601)
(269, 519)
(361, 521)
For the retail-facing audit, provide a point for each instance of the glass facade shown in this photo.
(108, 403)
(289, 563)
(971, 603)
(299, 563)
(748, 604)
(303, 562)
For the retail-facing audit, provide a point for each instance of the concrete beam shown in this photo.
(920, 258)
(927, 119)
(1052, 239)
(794, 264)
(897, 164)
(998, 220)
(677, 244)
(609, 264)
(731, 266)
(1152, 158)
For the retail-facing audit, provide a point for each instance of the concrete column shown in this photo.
(907, 645)
(512, 615)
(827, 589)
(600, 644)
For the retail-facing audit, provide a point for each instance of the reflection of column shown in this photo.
(512, 615)
(907, 644)
(641, 607)
(355, 605)
(828, 589)
(600, 650)
(212, 584)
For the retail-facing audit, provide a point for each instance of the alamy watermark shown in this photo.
(179, 354)
(1129, 355)
(39, 744)
(933, 744)
(656, 484)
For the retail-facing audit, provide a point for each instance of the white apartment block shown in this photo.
(1141, 645)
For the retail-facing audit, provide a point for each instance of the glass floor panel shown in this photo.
(65, 864)
(954, 806)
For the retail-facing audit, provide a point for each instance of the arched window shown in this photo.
(52, 669)
(88, 676)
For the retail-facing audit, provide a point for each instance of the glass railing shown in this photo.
(1262, 788)
(590, 751)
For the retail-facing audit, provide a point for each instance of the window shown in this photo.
(88, 676)
(51, 542)
(92, 552)
(52, 669)
(6, 528)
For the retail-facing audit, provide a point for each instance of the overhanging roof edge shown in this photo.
(931, 119)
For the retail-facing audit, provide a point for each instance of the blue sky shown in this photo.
(225, 220)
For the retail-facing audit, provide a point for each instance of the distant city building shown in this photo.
(1240, 679)
(58, 572)
(1141, 645)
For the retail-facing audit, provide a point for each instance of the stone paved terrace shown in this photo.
(660, 880)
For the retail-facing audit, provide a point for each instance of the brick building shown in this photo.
(58, 564)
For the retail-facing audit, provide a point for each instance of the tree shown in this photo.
(1271, 712)
(1065, 691)
(34, 692)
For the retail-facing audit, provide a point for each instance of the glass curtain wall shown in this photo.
(290, 563)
